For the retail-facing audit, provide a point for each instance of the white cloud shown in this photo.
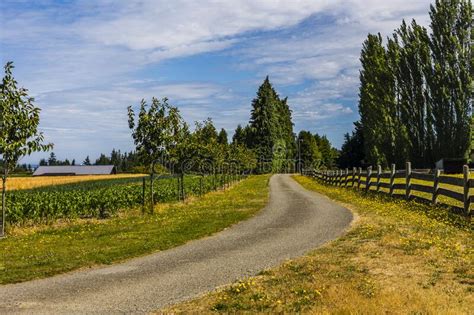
(81, 59)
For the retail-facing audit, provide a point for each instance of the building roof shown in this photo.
(75, 170)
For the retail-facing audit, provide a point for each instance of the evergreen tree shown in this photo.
(103, 160)
(73, 162)
(263, 121)
(52, 159)
(239, 136)
(222, 137)
(87, 161)
(271, 129)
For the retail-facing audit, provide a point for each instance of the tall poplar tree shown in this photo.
(376, 102)
(451, 83)
(413, 75)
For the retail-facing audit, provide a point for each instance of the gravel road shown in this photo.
(294, 222)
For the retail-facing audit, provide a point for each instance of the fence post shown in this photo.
(359, 178)
(392, 179)
(346, 179)
(467, 185)
(367, 179)
(437, 173)
(379, 173)
(408, 181)
(143, 193)
(200, 186)
(354, 171)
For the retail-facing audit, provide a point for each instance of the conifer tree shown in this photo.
(222, 137)
(271, 129)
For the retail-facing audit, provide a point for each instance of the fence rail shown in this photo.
(370, 180)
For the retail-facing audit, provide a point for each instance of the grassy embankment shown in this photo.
(21, 183)
(52, 250)
(399, 257)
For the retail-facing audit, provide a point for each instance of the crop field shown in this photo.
(17, 183)
(99, 198)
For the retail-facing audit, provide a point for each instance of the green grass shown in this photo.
(52, 250)
(398, 258)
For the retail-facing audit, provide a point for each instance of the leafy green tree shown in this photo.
(246, 158)
(451, 82)
(328, 153)
(19, 135)
(156, 131)
(311, 157)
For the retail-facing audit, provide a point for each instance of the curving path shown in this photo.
(294, 222)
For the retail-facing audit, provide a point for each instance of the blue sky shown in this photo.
(85, 61)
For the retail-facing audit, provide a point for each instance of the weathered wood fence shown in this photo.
(372, 180)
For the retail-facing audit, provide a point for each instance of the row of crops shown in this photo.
(103, 198)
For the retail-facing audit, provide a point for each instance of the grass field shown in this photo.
(19, 183)
(42, 252)
(399, 258)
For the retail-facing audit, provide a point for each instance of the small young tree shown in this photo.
(157, 130)
(19, 136)
(158, 133)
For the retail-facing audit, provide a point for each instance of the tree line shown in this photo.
(126, 162)
(266, 144)
(415, 92)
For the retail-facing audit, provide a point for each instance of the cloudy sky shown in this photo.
(85, 61)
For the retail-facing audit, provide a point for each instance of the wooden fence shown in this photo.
(372, 180)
